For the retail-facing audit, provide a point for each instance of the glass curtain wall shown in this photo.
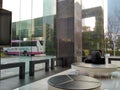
(27, 26)
(49, 25)
(92, 26)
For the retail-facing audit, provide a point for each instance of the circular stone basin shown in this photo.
(94, 68)
(73, 82)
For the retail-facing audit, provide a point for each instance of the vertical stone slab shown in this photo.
(78, 30)
(0, 3)
(65, 28)
(68, 29)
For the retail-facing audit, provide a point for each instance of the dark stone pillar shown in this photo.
(68, 30)
(0, 3)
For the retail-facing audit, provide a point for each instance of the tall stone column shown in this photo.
(69, 29)
(78, 30)
(0, 3)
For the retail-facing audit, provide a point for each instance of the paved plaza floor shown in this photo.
(112, 83)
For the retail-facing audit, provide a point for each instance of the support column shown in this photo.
(0, 3)
(69, 29)
(78, 30)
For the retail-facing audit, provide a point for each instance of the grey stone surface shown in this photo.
(68, 28)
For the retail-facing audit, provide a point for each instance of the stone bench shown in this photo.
(62, 61)
(113, 59)
(21, 66)
(32, 65)
(53, 62)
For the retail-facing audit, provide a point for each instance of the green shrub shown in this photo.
(2, 55)
(111, 52)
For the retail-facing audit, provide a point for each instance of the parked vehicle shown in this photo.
(25, 48)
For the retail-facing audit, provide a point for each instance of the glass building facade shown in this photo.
(92, 26)
(34, 22)
(49, 8)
